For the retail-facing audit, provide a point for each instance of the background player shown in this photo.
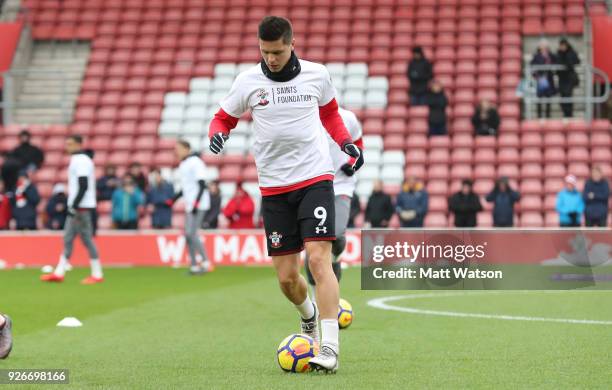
(81, 204)
(290, 99)
(6, 336)
(344, 187)
(192, 172)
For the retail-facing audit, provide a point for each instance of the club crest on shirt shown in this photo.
(275, 240)
(262, 94)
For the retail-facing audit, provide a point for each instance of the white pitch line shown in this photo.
(381, 303)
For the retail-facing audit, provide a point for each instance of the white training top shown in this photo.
(290, 141)
(82, 165)
(191, 170)
(343, 184)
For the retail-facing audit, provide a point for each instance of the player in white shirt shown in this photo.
(192, 174)
(6, 336)
(344, 187)
(81, 204)
(293, 104)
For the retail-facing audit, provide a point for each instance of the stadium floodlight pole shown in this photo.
(289, 99)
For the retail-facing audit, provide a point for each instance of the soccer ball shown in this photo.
(345, 314)
(295, 351)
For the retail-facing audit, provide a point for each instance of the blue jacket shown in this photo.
(125, 205)
(157, 196)
(413, 200)
(25, 215)
(569, 202)
(503, 206)
(56, 219)
(598, 206)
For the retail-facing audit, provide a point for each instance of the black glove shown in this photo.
(195, 208)
(348, 169)
(217, 142)
(354, 151)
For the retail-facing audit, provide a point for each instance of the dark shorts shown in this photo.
(290, 219)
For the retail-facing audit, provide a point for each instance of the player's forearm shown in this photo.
(81, 193)
(201, 188)
(332, 121)
(222, 123)
(177, 196)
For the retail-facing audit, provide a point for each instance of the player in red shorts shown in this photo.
(293, 103)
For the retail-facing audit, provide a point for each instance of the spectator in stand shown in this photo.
(412, 203)
(568, 78)
(24, 204)
(437, 102)
(545, 81)
(159, 194)
(25, 157)
(240, 209)
(127, 201)
(420, 73)
(379, 208)
(570, 205)
(57, 208)
(211, 217)
(503, 198)
(355, 210)
(5, 208)
(108, 183)
(465, 204)
(135, 170)
(485, 119)
(596, 195)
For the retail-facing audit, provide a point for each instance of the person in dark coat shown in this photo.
(211, 217)
(412, 204)
(108, 183)
(135, 171)
(57, 208)
(380, 207)
(544, 78)
(568, 78)
(24, 203)
(465, 204)
(355, 210)
(25, 157)
(596, 196)
(437, 102)
(30, 156)
(420, 73)
(503, 198)
(160, 192)
(5, 207)
(485, 119)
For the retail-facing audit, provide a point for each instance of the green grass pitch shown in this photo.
(150, 328)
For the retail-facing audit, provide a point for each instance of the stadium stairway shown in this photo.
(54, 75)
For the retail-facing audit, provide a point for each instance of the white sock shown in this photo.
(96, 268)
(60, 270)
(306, 308)
(329, 336)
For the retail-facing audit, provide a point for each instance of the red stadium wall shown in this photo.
(10, 33)
(602, 34)
(149, 248)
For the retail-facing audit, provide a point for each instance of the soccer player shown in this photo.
(292, 103)
(81, 203)
(192, 173)
(6, 336)
(344, 187)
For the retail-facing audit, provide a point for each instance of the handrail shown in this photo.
(530, 97)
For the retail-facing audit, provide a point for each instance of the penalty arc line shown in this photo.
(382, 303)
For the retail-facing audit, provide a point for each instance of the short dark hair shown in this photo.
(76, 138)
(273, 28)
(184, 143)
